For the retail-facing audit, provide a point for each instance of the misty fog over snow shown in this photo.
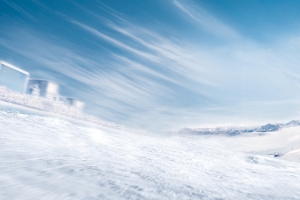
(48, 158)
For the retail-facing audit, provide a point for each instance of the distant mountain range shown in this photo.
(238, 130)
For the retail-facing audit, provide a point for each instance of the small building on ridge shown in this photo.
(72, 102)
(43, 88)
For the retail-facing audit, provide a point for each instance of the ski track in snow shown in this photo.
(47, 158)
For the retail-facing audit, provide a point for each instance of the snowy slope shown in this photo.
(47, 158)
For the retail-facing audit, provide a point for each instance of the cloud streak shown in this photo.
(207, 21)
(19, 9)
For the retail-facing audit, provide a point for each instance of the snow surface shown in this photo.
(48, 158)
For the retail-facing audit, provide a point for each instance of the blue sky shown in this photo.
(163, 64)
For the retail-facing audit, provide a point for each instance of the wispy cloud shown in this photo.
(19, 9)
(206, 20)
(114, 41)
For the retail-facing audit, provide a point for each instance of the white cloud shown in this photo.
(207, 21)
(19, 9)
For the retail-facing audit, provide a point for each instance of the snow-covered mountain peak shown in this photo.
(238, 130)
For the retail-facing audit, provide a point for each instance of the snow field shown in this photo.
(48, 158)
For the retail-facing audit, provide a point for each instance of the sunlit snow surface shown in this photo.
(46, 158)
